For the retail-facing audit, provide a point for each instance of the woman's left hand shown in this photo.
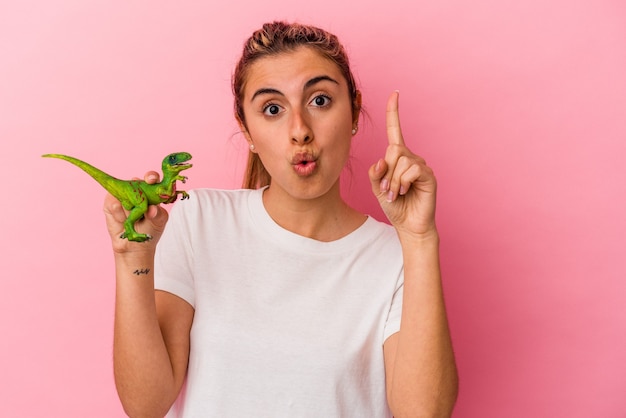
(404, 185)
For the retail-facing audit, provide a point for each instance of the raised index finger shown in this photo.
(394, 133)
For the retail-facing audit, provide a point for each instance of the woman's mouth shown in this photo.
(304, 164)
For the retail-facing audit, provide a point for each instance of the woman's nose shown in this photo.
(301, 132)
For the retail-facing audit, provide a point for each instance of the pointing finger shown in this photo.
(394, 133)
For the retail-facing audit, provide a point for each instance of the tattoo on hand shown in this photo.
(140, 272)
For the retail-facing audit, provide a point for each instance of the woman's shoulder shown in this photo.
(225, 194)
(215, 200)
(372, 234)
(379, 227)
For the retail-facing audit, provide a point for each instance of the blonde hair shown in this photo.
(276, 38)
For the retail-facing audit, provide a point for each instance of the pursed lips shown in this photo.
(304, 163)
(303, 158)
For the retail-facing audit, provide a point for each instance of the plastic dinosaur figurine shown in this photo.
(136, 195)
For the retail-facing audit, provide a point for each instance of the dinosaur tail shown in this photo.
(107, 181)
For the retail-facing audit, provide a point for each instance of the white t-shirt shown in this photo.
(284, 325)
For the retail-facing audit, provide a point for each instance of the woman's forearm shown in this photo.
(143, 370)
(424, 379)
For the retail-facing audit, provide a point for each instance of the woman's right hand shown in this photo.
(153, 223)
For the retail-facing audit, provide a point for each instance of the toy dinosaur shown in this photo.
(136, 195)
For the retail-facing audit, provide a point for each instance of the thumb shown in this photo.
(151, 177)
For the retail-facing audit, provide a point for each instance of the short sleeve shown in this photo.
(173, 264)
(392, 325)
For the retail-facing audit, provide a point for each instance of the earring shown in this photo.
(251, 147)
(356, 128)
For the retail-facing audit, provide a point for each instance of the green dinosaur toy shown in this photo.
(136, 195)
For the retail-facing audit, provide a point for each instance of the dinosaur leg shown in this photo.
(174, 196)
(136, 214)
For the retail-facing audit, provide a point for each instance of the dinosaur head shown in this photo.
(176, 162)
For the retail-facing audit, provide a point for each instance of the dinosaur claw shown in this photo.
(136, 237)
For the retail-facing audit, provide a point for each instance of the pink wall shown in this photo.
(519, 106)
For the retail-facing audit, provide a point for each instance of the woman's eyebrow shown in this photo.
(265, 91)
(307, 85)
(319, 79)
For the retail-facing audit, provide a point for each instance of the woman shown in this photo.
(280, 299)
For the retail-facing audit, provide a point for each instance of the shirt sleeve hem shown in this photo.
(176, 288)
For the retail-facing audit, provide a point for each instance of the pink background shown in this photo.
(520, 107)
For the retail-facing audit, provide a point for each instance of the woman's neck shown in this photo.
(325, 218)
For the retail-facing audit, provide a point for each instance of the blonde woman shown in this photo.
(279, 299)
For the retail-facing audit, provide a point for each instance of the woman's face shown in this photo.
(299, 118)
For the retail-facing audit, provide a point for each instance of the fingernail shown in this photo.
(390, 196)
(402, 190)
(384, 185)
(377, 168)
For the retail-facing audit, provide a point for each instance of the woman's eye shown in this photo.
(321, 101)
(272, 110)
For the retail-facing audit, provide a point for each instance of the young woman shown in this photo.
(280, 299)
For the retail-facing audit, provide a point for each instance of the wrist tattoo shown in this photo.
(140, 272)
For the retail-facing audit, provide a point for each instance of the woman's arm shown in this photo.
(151, 329)
(419, 361)
(420, 368)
